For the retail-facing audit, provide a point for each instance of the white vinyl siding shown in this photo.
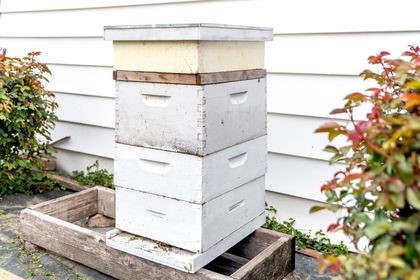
(318, 50)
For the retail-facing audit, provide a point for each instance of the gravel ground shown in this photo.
(42, 265)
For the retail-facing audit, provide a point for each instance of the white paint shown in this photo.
(191, 31)
(293, 17)
(282, 175)
(81, 109)
(283, 54)
(47, 5)
(190, 226)
(79, 79)
(312, 95)
(301, 140)
(339, 53)
(79, 51)
(68, 161)
(192, 119)
(175, 257)
(188, 56)
(188, 177)
(85, 139)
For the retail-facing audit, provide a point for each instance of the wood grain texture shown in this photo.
(280, 253)
(71, 208)
(106, 202)
(5, 275)
(189, 79)
(68, 183)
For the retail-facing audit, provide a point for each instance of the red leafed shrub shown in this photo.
(379, 190)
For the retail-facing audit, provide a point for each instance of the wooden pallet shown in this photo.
(51, 225)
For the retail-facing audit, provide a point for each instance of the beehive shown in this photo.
(190, 154)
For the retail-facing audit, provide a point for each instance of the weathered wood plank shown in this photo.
(255, 243)
(106, 202)
(5, 275)
(69, 183)
(189, 79)
(230, 76)
(88, 247)
(72, 207)
(273, 263)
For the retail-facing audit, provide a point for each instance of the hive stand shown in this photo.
(54, 225)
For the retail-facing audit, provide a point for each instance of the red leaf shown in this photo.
(335, 267)
(328, 126)
(354, 137)
(375, 113)
(387, 97)
(384, 53)
(417, 62)
(408, 53)
(332, 227)
(338, 111)
(351, 177)
(374, 59)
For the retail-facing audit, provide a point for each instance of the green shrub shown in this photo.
(94, 176)
(379, 190)
(26, 118)
(317, 241)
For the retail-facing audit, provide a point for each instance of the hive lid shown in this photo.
(193, 31)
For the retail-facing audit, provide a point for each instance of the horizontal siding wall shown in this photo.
(319, 48)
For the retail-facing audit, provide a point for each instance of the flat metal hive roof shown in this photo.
(187, 31)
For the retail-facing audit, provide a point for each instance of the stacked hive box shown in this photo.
(191, 139)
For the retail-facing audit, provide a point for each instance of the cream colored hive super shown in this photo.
(190, 156)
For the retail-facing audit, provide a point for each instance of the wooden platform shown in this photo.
(51, 225)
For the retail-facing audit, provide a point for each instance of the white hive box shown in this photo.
(188, 177)
(190, 226)
(190, 119)
(188, 48)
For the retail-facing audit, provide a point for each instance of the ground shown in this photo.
(44, 265)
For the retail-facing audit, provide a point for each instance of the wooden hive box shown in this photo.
(263, 255)
(215, 225)
(193, 119)
(188, 48)
(189, 177)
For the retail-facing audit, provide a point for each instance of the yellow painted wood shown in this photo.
(188, 56)
(219, 56)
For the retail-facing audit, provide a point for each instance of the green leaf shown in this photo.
(397, 262)
(331, 149)
(413, 197)
(316, 208)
